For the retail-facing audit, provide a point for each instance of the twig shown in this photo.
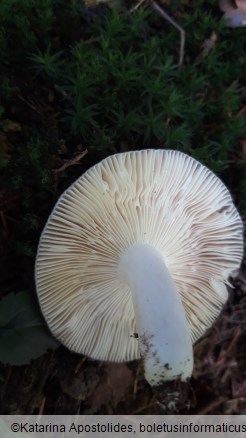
(71, 162)
(176, 25)
(234, 340)
(225, 353)
(31, 105)
(134, 8)
(41, 409)
(79, 365)
(67, 164)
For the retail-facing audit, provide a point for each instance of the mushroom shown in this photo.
(135, 258)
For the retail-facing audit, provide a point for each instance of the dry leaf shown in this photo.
(111, 390)
(241, 4)
(234, 13)
(226, 5)
(208, 45)
(75, 387)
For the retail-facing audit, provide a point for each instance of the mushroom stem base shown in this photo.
(173, 396)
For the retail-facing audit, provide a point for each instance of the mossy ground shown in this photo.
(107, 80)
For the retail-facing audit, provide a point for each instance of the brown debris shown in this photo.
(72, 162)
(112, 389)
(207, 46)
(67, 163)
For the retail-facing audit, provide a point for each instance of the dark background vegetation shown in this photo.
(107, 80)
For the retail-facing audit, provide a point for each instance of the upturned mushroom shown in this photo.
(135, 258)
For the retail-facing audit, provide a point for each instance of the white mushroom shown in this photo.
(143, 242)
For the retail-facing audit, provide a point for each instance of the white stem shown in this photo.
(163, 331)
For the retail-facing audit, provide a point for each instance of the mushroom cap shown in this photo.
(161, 197)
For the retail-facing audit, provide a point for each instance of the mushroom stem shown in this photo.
(163, 331)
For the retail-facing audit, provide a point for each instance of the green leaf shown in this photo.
(23, 333)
